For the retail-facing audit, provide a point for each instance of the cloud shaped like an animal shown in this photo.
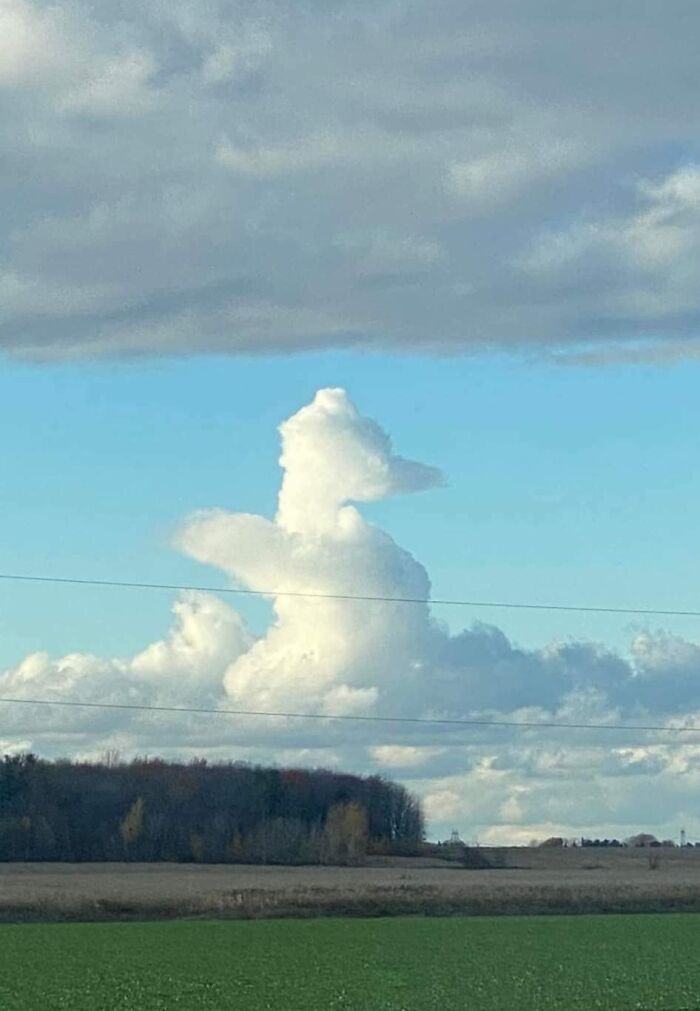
(334, 655)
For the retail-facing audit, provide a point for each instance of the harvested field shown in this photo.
(526, 881)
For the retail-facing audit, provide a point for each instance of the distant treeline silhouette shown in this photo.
(643, 840)
(153, 810)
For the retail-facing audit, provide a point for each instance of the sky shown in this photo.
(444, 259)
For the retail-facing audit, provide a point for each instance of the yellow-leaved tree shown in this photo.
(345, 834)
(131, 826)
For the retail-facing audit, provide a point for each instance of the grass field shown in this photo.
(616, 963)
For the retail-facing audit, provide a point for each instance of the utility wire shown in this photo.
(425, 720)
(412, 720)
(513, 605)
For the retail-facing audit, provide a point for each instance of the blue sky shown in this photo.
(480, 220)
(563, 484)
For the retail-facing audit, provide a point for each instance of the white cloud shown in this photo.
(644, 263)
(207, 634)
(115, 85)
(236, 57)
(186, 666)
(24, 42)
(403, 756)
(497, 177)
(60, 51)
(302, 154)
(319, 542)
(334, 656)
(680, 190)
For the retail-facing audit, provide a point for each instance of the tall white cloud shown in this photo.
(333, 655)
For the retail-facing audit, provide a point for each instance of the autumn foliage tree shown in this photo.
(345, 834)
(132, 826)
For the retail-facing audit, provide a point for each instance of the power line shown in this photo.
(424, 720)
(378, 598)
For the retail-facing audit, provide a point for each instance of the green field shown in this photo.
(509, 964)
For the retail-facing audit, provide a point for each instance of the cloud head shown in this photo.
(331, 455)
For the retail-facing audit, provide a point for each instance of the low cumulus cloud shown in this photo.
(326, 654)
(265, 177)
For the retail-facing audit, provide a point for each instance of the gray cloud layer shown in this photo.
(258, 176)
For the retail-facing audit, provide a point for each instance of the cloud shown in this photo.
(658, 236)
(404, 756)
(495, 178)
(381, 255)
(324, 654)
(238, 55)
(304, 154)
(643, 263)
(330, 655)
(227, 178)
(58, 58)
(186, 666)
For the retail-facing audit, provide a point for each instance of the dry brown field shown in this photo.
(526, 881)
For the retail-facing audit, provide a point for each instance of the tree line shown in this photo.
(153, 810)
(640, 841)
